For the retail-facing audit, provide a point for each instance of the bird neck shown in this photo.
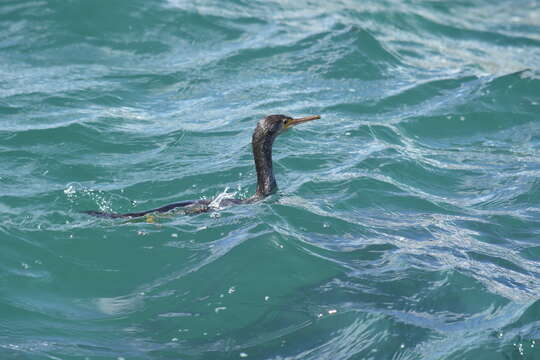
(262, 154)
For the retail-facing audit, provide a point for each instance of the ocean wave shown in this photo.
(406, 221)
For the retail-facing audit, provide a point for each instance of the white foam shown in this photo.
(216, 203)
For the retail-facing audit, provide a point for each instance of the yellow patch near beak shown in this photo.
(293, 122)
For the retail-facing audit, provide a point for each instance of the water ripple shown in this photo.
(406, 221)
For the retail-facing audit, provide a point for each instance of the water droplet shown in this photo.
(266, 298)
(231, 290)
(243, 355)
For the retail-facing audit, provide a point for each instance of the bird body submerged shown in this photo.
(262, 140)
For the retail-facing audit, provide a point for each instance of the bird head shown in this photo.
(274, 125)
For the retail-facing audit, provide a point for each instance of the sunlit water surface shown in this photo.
(407, 224)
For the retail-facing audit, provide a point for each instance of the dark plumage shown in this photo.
(263, 138)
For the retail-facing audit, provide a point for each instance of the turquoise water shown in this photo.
(407, 224)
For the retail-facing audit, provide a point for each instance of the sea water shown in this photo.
(407, 221)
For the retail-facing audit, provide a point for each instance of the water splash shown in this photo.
(76, 193)
(225, 195)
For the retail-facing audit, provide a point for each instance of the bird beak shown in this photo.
(297, 121)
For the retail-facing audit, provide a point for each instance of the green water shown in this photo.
(407, 221)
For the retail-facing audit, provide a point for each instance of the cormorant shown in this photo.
(263, 138)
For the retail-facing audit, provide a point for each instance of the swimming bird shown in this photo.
(266, 131)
